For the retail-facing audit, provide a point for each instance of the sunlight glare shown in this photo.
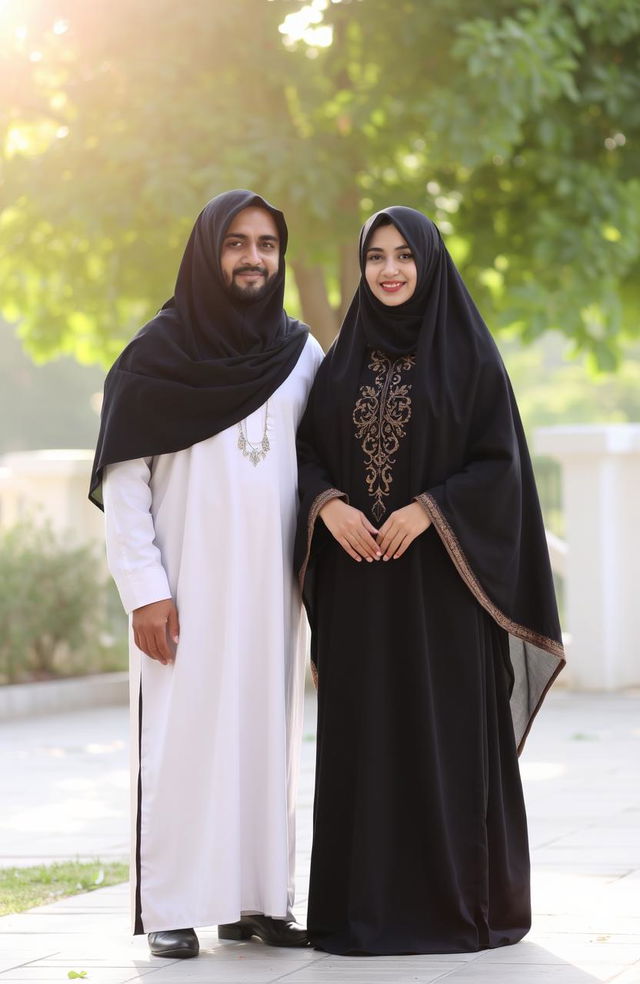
(11, 12)
(306, 25)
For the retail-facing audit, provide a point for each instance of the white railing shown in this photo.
(600, 561)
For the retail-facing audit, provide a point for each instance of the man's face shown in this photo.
(250, 254)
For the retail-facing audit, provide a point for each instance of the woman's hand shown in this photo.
(351, 529)
(401, 529)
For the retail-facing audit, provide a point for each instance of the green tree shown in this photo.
(518, 132)
(51, 600)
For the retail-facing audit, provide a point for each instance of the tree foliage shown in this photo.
(517, 130)
(51, 604)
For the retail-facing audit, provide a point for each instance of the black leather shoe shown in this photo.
(174, 944)
(274, 932)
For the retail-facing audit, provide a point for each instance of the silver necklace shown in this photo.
(254, 452)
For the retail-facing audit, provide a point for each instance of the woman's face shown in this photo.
(390, 269)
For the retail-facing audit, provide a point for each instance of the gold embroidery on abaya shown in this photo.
(380, 415)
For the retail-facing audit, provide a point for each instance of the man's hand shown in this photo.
(401, 529)
(154, 627)
(351, 529)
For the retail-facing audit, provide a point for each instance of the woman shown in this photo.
(425, 574)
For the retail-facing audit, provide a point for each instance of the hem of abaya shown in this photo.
(526, 635)
(317, 504)
(552, 678)
(456, 553)
(420, 949)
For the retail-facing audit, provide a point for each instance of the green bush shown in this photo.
(53, 606)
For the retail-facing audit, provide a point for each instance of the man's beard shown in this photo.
(252, 292)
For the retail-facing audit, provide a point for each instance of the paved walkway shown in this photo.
(64, 794)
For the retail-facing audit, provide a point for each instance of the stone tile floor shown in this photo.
(64, 794)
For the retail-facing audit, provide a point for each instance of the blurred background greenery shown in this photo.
(515, 125)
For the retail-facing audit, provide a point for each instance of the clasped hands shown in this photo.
(362, 541)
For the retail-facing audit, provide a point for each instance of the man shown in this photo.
(196, 470)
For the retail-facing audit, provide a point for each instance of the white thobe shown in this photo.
(215, 737)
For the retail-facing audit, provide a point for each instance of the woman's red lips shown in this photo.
(392, 285)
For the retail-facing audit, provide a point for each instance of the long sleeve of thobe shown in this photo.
(133, 556)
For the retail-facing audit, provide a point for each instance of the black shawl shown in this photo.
(470, 467)
(206, 360)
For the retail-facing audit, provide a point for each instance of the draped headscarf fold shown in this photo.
(207, 360)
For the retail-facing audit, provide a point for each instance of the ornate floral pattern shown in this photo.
(380, 415)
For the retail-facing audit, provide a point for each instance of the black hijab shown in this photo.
(469, 462)
(206, 360)
(396, 330)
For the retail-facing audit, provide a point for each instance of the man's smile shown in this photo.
(250, 274)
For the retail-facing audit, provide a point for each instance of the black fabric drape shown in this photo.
(470, 467)
(206, 361)
(420, 836)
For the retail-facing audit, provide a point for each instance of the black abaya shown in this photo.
(432, 667)
(420, 841)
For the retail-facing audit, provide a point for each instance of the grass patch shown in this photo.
(24, 888)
